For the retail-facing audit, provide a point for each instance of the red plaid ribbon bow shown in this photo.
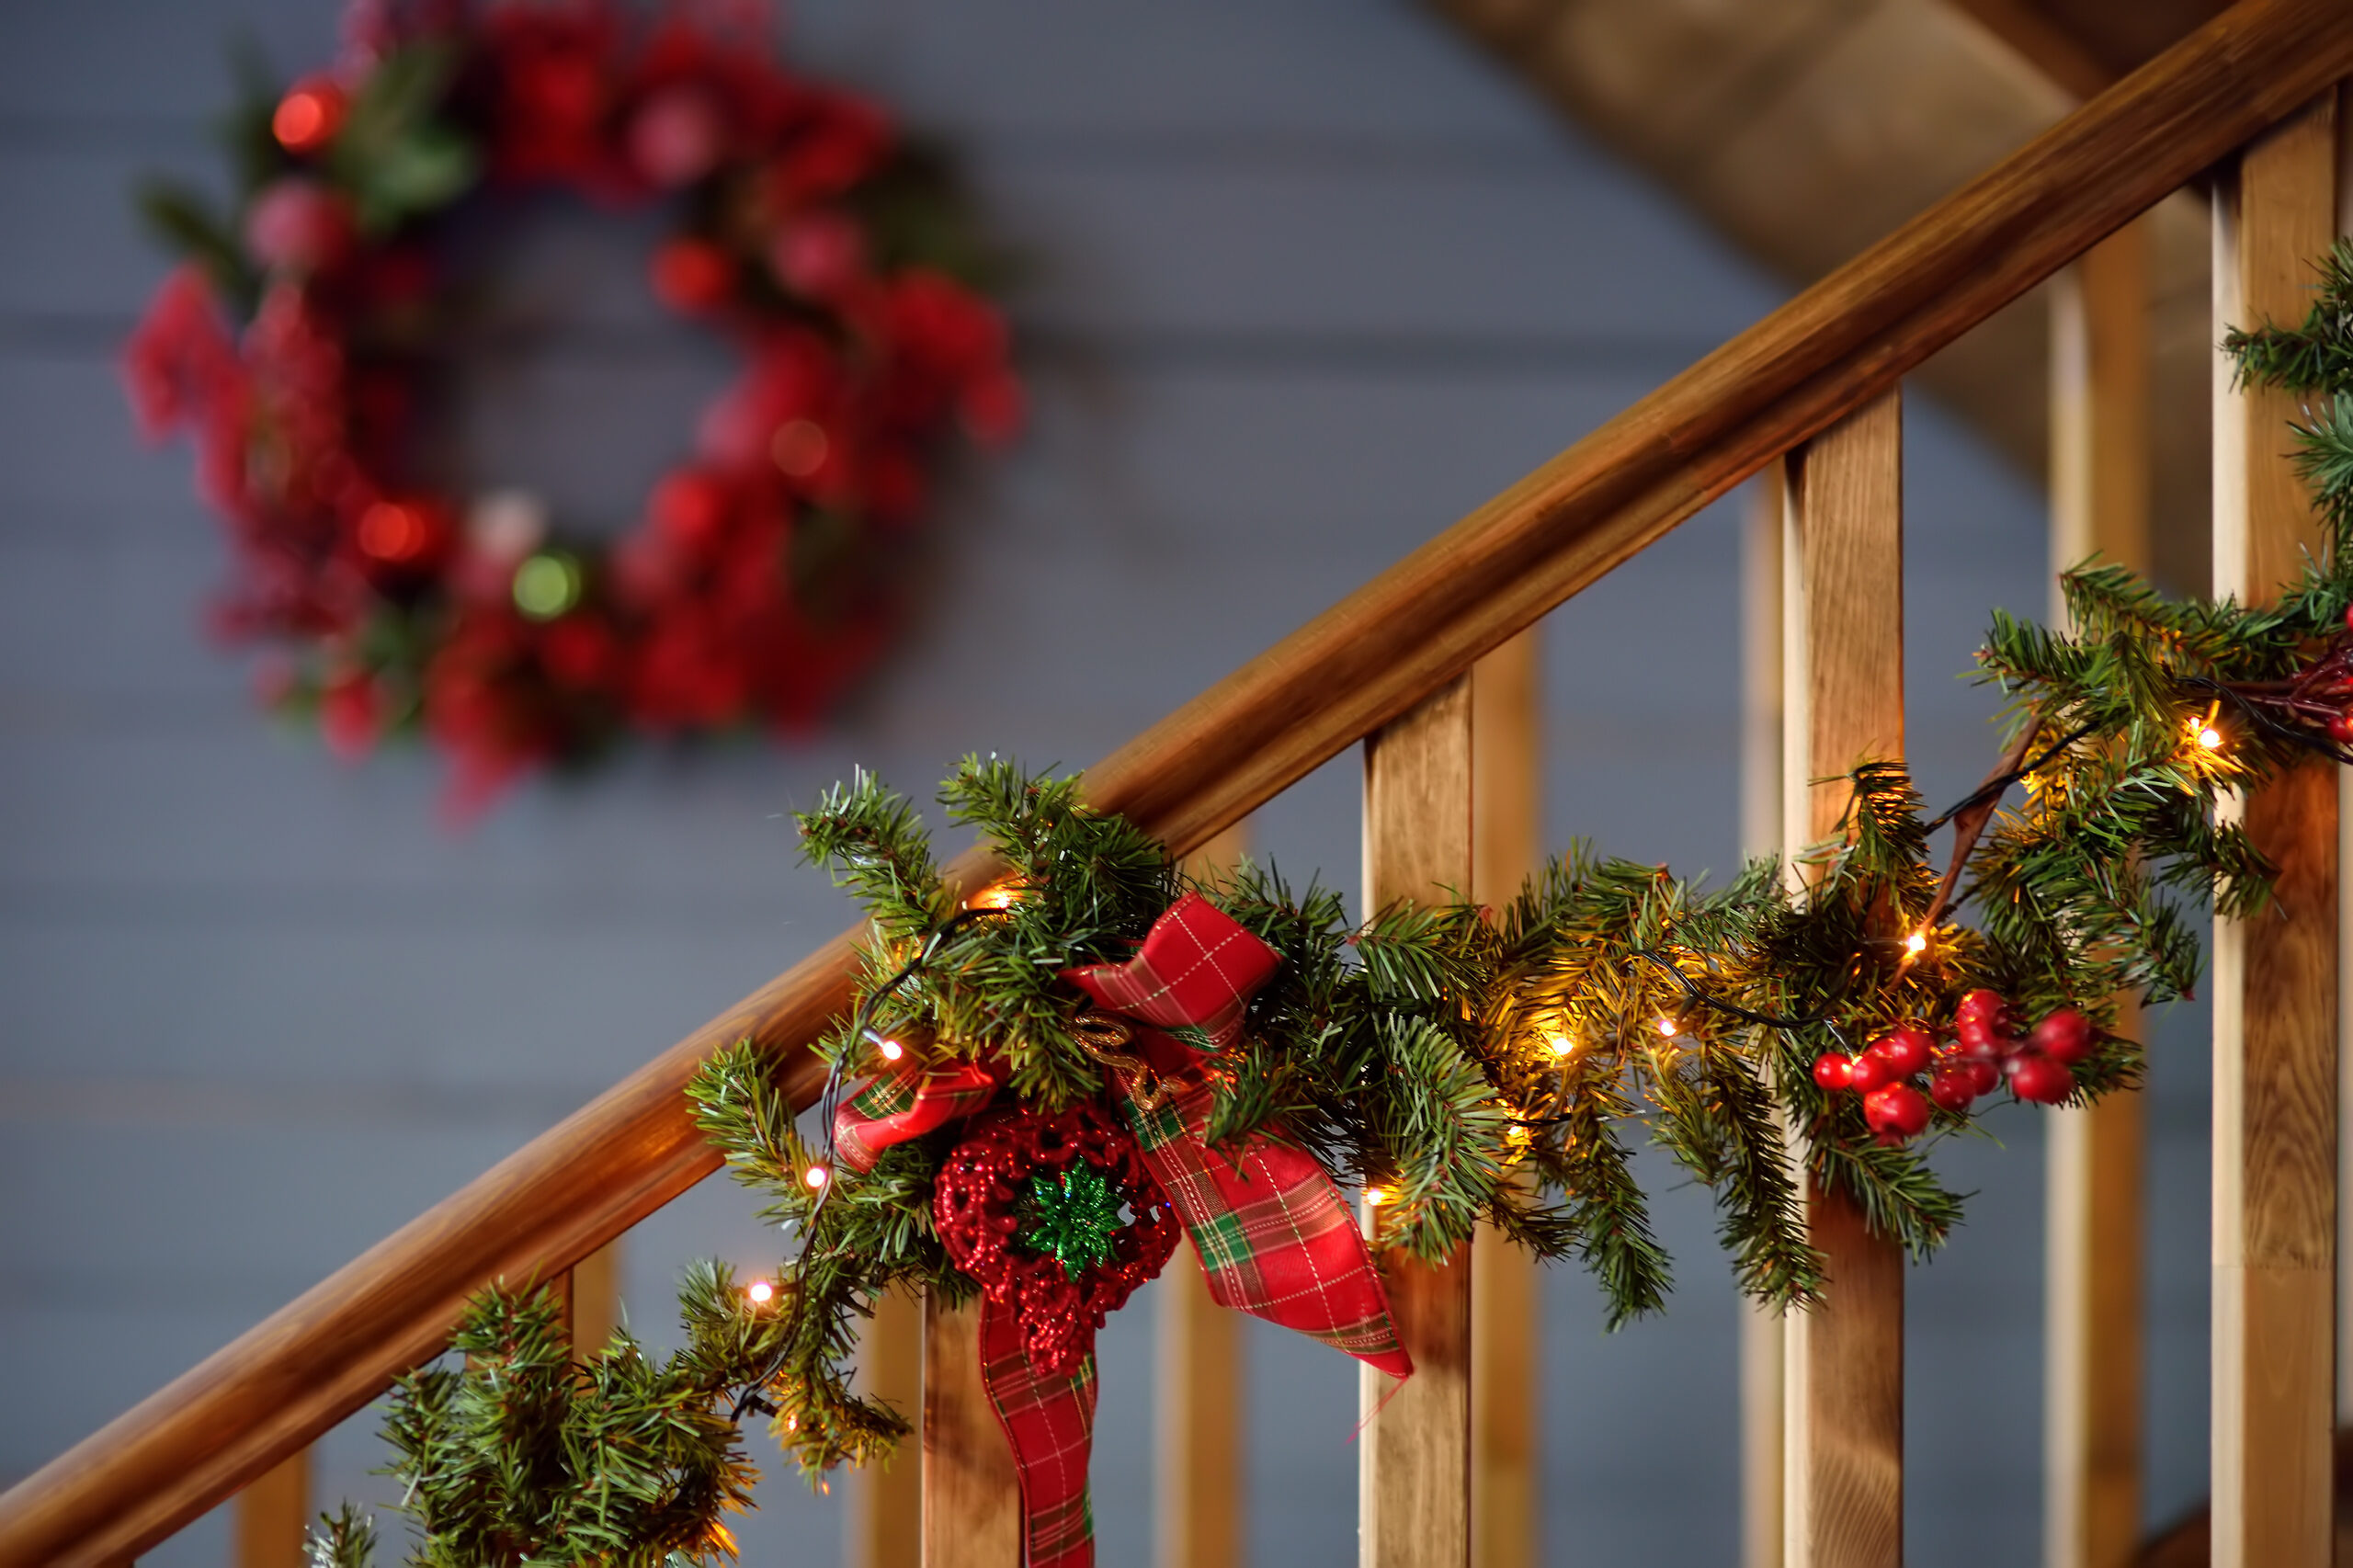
(1275, 1237)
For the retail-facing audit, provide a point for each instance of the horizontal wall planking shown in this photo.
(1078, 67)
(510, 1012)
(1147, 246)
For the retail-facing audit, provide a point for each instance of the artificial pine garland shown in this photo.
(1465, 1064)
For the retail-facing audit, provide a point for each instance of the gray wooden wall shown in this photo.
(1309, 280)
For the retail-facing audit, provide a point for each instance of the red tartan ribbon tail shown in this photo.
(1275, 1237)
(1049, 1419)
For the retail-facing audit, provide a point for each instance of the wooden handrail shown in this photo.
(1366, 661)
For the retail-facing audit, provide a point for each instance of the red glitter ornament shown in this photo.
(978, 1204)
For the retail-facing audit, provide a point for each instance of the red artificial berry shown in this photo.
(690, 507)
(692, 276)
(1954, 1084)
(1896, 1109)
(2340, 729)
(1904, 1049)
(1983, 1004)
(2041, 1080)
(819, 253)
(309, 115)
(2349, 618)
(2064, 1036)
(1834, 1070)
(1869, 1073)
(1984, 1078)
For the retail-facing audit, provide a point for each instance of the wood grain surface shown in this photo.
(886, 1517)
(1761, 1331)
(1203, 1438)
(2275, 975)
(972, 1501)
(1365, 661)
(1507, 842)
(1413, 1469)
(1843, 655)
(2095, 1190)
(274, 1513)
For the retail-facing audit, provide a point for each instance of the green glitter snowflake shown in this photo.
(1072, 1220)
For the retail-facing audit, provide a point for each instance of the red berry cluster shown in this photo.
(758, 585)
(1984, 1050)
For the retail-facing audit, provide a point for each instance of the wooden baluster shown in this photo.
(1761, 834)
(1506, 777)
(1202, 1426)
(2100, 505)
(1843, 648)
(1414, 1474)
(274, 1514)
(886, 1518)
(2274, 976)
(972, 1501)
(595, 1299)
(2344, 923)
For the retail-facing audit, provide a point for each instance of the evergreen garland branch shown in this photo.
(1472, 1063)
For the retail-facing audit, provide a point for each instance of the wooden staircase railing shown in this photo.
(1818, 376)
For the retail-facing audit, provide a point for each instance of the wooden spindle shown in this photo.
(595, 1294)
(1761, 834)
(1843, 653)
(2099, 507)
(886, 1516)
(972, 1499)
(1507, 837)
(274, 1514)
(2275, 976)
(1202, 1427)
(1414, 1474)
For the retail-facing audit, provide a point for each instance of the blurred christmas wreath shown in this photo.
(301, 345)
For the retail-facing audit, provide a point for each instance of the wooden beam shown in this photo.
(274, 1514)
(2095, 1190)
(1203, 1425)
(1404, 635)
(1507, 842)
(2344, 923)
(1413, 1469)
(886, 1516)
(1761, 1330)
(2275, 976)
(972, 1499)
(1843, 646)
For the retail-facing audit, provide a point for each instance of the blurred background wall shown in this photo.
(1307, 279)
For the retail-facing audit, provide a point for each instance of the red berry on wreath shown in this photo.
(1904, 1049)
(819, 253)
(1954, 1086)
(299, 225)
(1985, 1077)
(1896, 1109)
(2340, 729)
(692, 276)
(2038, 1079)
(2064, 1036)
(690, 507)
(1834, 1070)
(677, 136)
(309, 114)
(1869, 1073)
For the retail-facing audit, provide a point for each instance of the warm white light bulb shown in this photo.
(760, 1291)
(1917, 942)
(1667, 1028)
(1373, 1196)
(2210, 737)
(1563, 1045)
(816, 1176)
(892, 1050)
